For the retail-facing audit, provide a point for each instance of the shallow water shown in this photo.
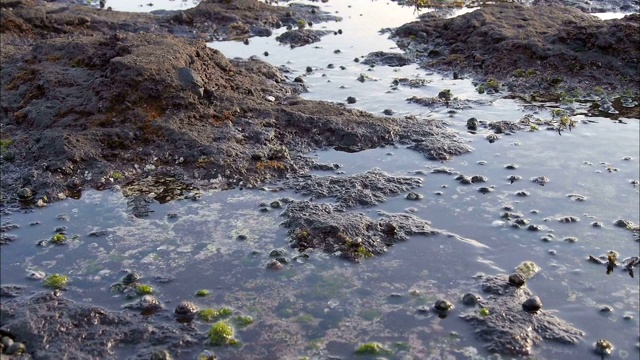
(323, 306)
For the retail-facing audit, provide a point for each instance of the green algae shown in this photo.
(371, 348)
(203, 293)
(55, 281)
(208, 314)
(144, 289)
(58, 238)
(221, 333)
(243, 321)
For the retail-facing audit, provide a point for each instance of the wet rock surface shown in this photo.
(387, 59)
(560, 47)
(349, 235)
(302, 37)
(226, 20)
(261, 127)
(368, 189)
(53, 327)
(152, 103)
(509, 329)
(596, 6)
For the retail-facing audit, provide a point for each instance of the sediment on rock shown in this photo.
(368, 189)
(508, 328)
(537, 48)
(106, 103)
(301, 37)
(352, 236)
(88, 331)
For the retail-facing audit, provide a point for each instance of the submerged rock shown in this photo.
(350, 235)
(368, 189)
(508, 329)
(89, 331)
(275, 265)
(131, 278)
(442, 305)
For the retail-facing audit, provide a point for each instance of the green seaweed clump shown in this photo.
(243, 321)
(445, 95)
(59, 238)
(208, 314)
(372, 348)
(55, 281)
(117, 176)
(363, 252)
(203, 293)
(492, 84)
(5, 144)
(225, 311)
(143, 289)
(528, 269)
(221, 333)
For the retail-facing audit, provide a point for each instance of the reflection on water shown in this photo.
(147, 5)
(320, 306)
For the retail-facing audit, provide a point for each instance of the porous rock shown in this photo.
(511, 330)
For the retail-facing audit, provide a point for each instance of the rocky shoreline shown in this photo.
(540, 53)
(97, 98)
(100, 99)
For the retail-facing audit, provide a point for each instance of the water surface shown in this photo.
(322, 306)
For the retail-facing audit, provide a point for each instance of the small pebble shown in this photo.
(16, 348)
(413, 196)
(470, 299)
(277, 252)
(516, 280)
(275, 265)
(603, 347)
(206, 355)
(7, 341)
(443, 305)
(606, 309)
(160, 355)
(275, 204)
(532, 304)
